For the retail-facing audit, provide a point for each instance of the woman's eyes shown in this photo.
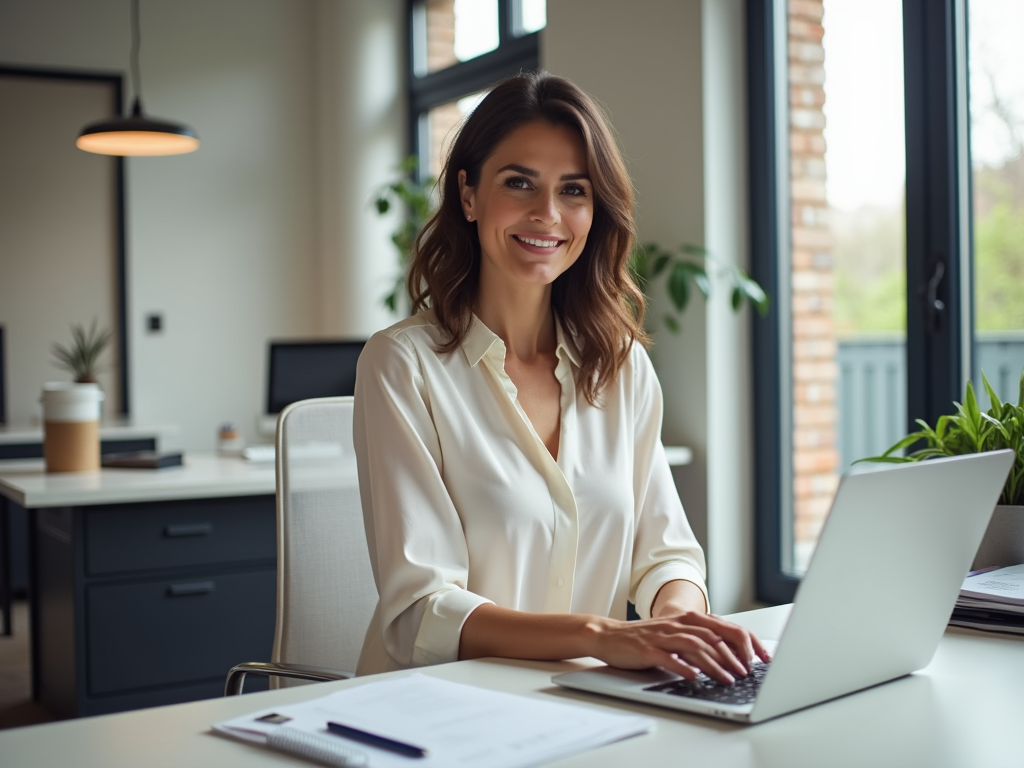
(522, 182)
(518, 182)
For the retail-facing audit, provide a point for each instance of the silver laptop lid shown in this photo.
(884, 577)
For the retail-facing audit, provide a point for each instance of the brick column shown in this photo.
(815, 372)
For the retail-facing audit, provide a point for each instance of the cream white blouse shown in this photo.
(464, 505)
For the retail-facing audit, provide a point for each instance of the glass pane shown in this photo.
(996, 81)
(459, 30)
(848, 263)
(533, 16)
(441, 124)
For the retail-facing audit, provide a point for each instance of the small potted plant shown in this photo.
(81, 357)
(970, 430)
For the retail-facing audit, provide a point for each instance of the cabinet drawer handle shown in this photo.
(188, 529)
(195, 588)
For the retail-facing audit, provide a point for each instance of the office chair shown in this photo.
(325, 589)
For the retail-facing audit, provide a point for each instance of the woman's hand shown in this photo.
(686, 643)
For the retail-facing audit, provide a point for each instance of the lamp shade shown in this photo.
(137, 135)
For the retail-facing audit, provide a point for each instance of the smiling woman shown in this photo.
(515, 489)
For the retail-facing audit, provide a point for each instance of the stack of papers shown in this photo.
(992, 599)
(456, 725)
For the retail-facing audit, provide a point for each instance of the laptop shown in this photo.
(873, 604)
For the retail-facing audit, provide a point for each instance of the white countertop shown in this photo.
(17, 434)
(25, 482)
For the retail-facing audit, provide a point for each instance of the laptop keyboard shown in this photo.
(743, 691)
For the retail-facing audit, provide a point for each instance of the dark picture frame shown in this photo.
(115, 81)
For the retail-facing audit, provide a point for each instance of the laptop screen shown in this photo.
(303, 369)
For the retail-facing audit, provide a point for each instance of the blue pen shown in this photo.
(378, 741)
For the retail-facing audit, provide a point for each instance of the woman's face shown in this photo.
(533, 205)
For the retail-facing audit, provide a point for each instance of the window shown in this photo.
(995, 61)
(891, 284)
(458, 49)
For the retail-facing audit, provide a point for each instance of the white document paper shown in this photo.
(1003, 585)
(458, 725)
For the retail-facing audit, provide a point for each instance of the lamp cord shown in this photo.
(134, 56)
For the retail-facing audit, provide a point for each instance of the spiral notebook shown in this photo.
(456, 725)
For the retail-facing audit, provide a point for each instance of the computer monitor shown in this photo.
(303, 369)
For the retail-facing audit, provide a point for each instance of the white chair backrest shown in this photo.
(325, 590)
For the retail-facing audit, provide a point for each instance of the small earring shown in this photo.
(468, 217)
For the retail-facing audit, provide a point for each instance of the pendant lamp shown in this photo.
(138, 134)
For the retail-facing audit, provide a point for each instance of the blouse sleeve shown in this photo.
(664, 548)
(417, 547)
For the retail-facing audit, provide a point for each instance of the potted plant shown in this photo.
(971, 430)
(81, 357)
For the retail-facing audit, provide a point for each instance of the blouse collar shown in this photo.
(481, 340)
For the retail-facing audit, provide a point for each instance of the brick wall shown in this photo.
(440, 54)
(815, 458)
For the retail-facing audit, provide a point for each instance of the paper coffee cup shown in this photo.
(71, 426)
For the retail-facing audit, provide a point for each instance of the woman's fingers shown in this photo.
(719, 646)
(743, 642)
(760, 650)
(684, 644)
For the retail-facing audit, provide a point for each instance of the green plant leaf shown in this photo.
(884, 460)
(995, 404)
(671, 323)
(906, 442)
(701, 279)
(755, 293)
(81, 358)
(737, 298)
(679, 286)
(659, 264)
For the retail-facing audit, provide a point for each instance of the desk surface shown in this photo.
(25, 482)
(963, 710)
(17, 434)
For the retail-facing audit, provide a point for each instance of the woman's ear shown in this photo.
(467, 195)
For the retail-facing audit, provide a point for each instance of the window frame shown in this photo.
(515, 53)
(938, 228)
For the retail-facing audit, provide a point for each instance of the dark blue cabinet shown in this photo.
(145, 604)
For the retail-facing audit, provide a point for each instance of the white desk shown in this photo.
(145, 584)
(25, 482)
(964, 710)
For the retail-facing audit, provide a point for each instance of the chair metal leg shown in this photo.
(236, 677)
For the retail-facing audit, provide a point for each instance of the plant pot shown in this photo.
(71, 426)
(1003, 543)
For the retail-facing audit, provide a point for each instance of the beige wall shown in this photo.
(58, 248)
(243, 240)
(670, 75)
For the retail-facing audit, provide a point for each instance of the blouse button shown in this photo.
(561, 581)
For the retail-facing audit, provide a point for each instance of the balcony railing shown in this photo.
(873, 384)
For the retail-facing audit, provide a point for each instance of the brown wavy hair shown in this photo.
(595, 298)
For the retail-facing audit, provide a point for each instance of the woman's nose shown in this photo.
(545, 208)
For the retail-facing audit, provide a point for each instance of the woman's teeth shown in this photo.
(537, 243)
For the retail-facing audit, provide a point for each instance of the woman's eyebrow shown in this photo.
(531, 172)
